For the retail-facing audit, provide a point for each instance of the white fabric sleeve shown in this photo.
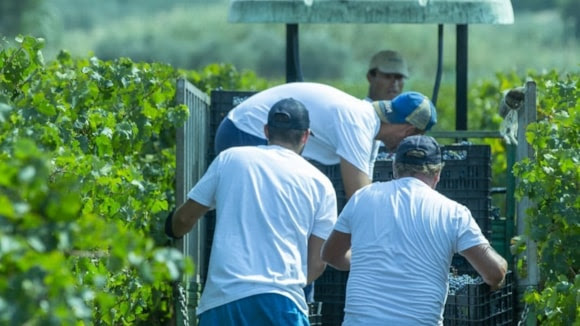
(468, 232)
(204, 191)
(355, 145)
(326, 215)
(343, 224)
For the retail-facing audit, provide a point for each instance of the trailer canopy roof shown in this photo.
(372, 11)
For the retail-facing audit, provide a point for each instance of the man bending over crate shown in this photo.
(273, 211)
(398, 238)
(344, 128)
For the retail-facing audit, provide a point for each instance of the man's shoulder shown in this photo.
(312, 172)
(240, 150)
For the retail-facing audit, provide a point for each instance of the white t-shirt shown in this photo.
(269, 200)
(404, 235)
(376, 145)
(342, 125)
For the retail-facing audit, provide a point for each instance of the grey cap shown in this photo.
(389, 62)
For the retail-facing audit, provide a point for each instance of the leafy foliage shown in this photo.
(225, 76)
(86, 175)
(551, 180)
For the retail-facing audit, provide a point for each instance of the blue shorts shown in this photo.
(261, 309)
(228, 135)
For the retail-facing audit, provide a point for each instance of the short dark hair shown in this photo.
(289, 136)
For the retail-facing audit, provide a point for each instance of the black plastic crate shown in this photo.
(460, 265)
(476, 305)
(333, 173)
(330, 288)
(315, 313)
(221, 102)
(332, 313)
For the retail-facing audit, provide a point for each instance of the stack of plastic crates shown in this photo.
(476, 305)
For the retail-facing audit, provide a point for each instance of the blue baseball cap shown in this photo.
(408, 107)
(418, 150)
(289, 113)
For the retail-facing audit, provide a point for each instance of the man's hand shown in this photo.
(169, 226)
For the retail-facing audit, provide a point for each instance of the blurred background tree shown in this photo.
(570, 10)
(27, 16)
(192, 34)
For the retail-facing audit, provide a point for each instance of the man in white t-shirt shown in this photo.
(344, 128)
(398, 238)
(273, 212)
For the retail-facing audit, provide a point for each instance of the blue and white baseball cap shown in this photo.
(408, 107)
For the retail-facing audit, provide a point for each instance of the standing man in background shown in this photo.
(386, 76)
(398, 238)
(274, 211)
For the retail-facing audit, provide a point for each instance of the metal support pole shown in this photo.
(461, 79)
(527, 115)
(510, 201)
(439, 64)
(293, 69)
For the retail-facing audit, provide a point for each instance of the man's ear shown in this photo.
(369, 76)
(266, 131)
(436, 179)
(305, 136)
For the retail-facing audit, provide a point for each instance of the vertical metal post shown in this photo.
(293, 69)
(510, 200)
(527, 115)
(180, 184)
(461, 78)
(191, 152)
(439, 64)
